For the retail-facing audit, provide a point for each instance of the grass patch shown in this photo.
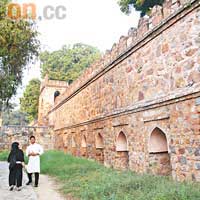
(3, 155)
(89, 180)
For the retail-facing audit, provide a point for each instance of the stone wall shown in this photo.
(149, 81)
(166, 65)
(178, 120)
(10, 134)
(160, 164)
(47, 99)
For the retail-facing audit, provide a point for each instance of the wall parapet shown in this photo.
(53, 83)
(160, 19)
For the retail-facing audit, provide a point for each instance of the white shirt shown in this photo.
(34, 161)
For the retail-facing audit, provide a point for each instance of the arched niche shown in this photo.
(159, 158)
(56, 94)
(158, 142)
(73, 142)
(121, 143)
(83, 142)
(65, 142)
(99, 141)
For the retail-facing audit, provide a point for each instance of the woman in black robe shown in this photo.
(16, 162)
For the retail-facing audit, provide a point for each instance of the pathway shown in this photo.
(46, 190)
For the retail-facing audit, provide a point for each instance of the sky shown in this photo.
(99, 23)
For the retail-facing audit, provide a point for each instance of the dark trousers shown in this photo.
(36, 178)
(15, 176)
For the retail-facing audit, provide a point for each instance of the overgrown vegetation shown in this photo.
(30, 101)
(18, 46)
(14, 117)
(88, 180)
(69, 62)
(144, 6)
(3, 155)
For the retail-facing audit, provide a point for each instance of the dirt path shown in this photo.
(47, 189)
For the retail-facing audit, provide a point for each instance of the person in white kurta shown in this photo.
(33, 151)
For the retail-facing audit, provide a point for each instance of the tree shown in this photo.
(30, 100)
(18, 47)
(68, 63)
(144, 6)
(14, 118)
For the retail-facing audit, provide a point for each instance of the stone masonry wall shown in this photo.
(10, 134)
(167, 64)
(160, 164)
(178, 120)
(47, 100)
(149, 80)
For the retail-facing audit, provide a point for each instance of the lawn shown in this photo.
(3, 155)
(88, 180)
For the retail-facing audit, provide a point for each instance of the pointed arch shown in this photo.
(158, 141)
(99, 141)
(121, 143)
(73, 142)
(83, 142)
(65, 142)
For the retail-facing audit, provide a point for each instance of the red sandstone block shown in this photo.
(143, 26)
(191, 52)
(181, 151)
(140, 96)
(195, 122)
(165, 48)
(194, 76)
(129, 69)
(198, 109)
(156, 15)
(150, 72)
(196, 129)
(178, 70)
(187, 141)
(178, 57)
(164, 161)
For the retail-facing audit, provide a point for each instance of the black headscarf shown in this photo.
(15, 147)
(16, 153)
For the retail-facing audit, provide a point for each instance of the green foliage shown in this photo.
(89, 180)
(68, 63)
(144, 6)
(18, 46)
(30, 100)
(14, 118)
(3, 155)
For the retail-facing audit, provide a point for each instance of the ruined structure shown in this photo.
(139, 106)
(41, 129)
(21, 134)
(47, 97)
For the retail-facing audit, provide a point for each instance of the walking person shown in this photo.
(16, 163)
(33, 152)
